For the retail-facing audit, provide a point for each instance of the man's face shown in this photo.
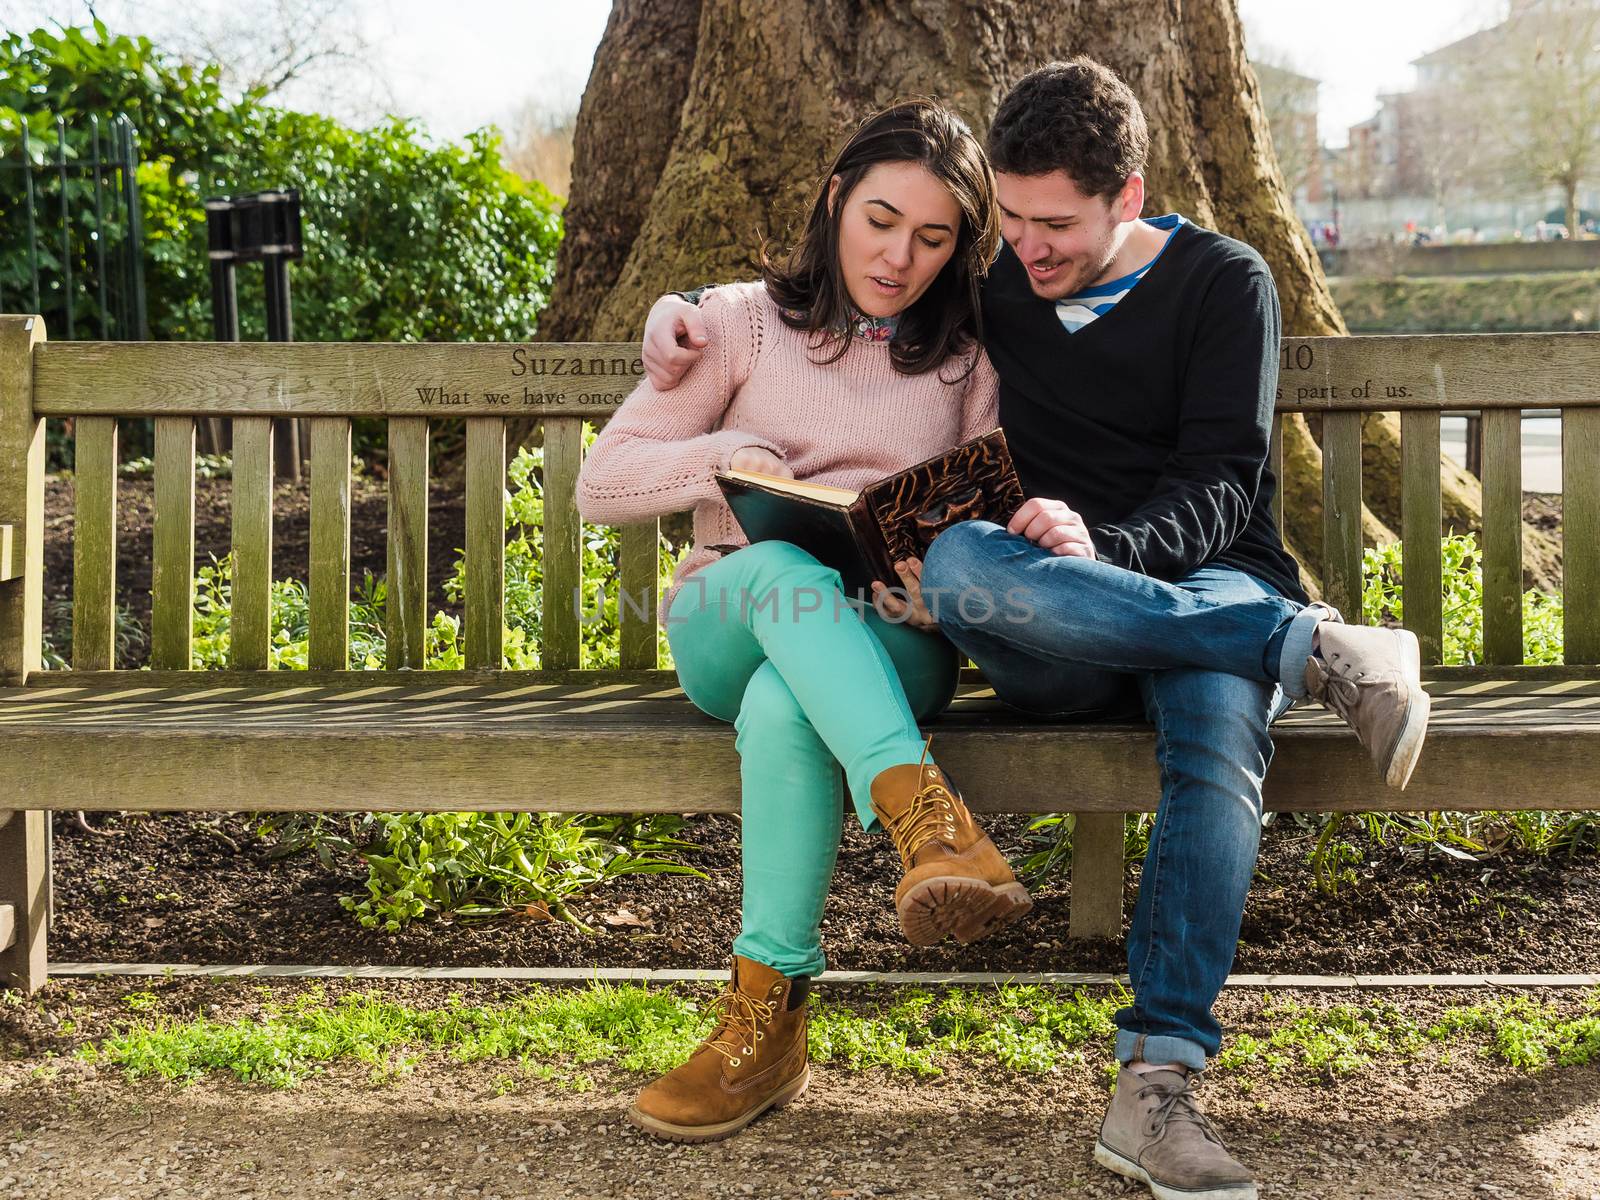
(1065, 239)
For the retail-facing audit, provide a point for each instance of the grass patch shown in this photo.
(1341, 1039)
(552, 1033)
(548, 1030)
(1031, 1029)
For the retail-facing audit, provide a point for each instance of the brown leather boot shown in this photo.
(955, 881)
(754, 1060)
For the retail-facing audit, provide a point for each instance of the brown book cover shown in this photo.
(861, 534)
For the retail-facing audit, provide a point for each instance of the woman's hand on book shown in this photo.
(754, 458)
(1053, 526)
(907, 610)
(674, 337)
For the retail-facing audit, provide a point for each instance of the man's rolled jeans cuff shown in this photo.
(1159, 1049)
(1297, 645)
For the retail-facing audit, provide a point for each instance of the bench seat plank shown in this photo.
(1510, 743)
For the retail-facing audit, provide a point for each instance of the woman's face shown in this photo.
(897, 231)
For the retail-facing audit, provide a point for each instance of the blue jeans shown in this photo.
(1211, 661)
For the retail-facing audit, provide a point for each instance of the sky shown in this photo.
(465, 64)
(1359, 49)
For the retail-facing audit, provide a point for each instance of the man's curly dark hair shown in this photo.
(1076, 116)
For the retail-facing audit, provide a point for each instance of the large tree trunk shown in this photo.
(626, 127)
(772, 87)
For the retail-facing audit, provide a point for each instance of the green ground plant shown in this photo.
(554, 1032)
(1383, 599)
(465, 864)
(472, 864)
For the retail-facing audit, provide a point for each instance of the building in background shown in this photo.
(1290, 100)
(1461, 154)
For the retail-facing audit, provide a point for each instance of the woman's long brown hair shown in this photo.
(946, 319)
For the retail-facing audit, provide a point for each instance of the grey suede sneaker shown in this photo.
(1372, 677)
(1155, 1133)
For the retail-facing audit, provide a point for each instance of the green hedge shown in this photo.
(1555, 301)
(406, 238)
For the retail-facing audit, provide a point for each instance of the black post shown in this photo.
(265, 226)
(224, 302)
(285, 434)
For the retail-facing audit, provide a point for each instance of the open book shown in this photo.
(861, 534)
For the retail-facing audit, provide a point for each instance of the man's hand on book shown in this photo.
(1053, 526)
(674, 337)
(910, 610)
(754, 458)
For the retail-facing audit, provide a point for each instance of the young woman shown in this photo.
(856, 356)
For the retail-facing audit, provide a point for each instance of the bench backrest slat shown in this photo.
(1341, 512)
(172, 546)
(406, 613)
(1502, 536)
(639, 592)
(250, 626)
(558, 619)
(328, 591)
(94, 545)
(1580, 534)
(1421, 526)
(486, 541)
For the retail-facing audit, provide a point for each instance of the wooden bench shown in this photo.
(562, 738)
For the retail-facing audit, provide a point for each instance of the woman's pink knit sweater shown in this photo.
(845, 423)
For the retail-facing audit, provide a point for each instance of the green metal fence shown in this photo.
(71, 242)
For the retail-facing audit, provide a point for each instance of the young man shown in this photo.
(1138, 369)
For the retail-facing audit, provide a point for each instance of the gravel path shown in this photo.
(1430, 1128)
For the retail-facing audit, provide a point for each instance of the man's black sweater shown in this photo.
(1152, 421)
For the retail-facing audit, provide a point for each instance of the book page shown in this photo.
(817, 491)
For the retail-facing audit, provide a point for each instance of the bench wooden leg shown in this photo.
(24, 900)
(1096, 876)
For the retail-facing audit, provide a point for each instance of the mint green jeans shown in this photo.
(812, 683)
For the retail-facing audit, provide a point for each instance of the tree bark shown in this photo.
(627, 124)
(684, 166)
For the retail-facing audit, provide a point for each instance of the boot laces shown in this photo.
(1341, 685)
(1177, 1104)
(739, 1026)
(930, 814)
